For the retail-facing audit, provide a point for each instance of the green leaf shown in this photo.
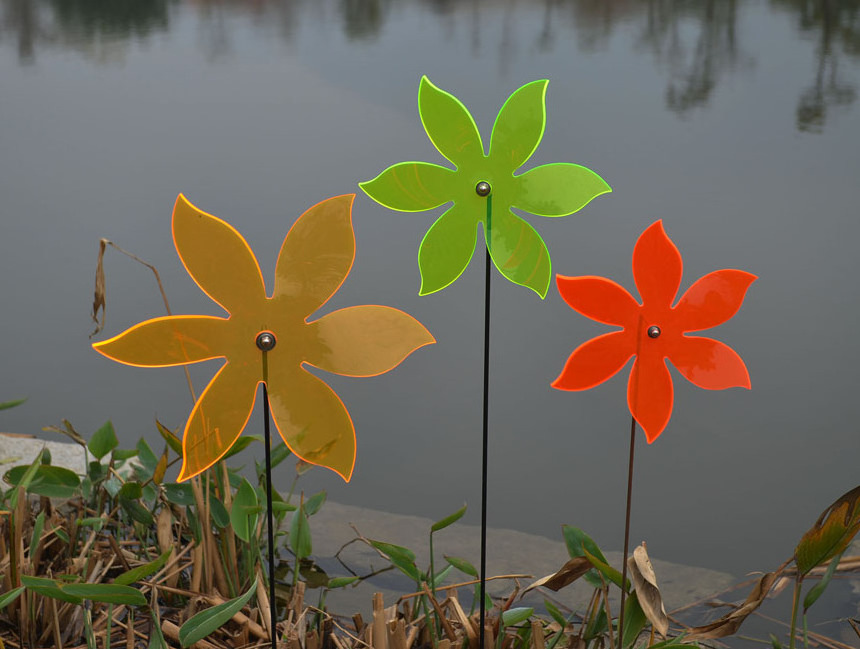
(402, 558)
(103, 441)
(448, 520)
(170, 437)
(243, 515)
(108, 593)
(45, 480)
(280, 453)
(219, 513)
(519, 252)
(519, 125)
(137, 511)
(607, 571)
(147, 458)
(300, 534)
(131, 491)
(774, 642)
(38, 527)
(48, 588)
(831, 534)
(61, 534)
(281, 506)
(577, 542)
(241, 444)
(440, 576)
(141, 572)
(557, 189)
(181, 494)
(96, 471)
(412, 186)
(25, 479)
(11, 596)
(312, 505)
(818, 589)
(447, 249)
(11, 404)
(449, 125)
(556, 614)
(634, 620)
(205, 622)
(463, 566)
(96, 522)
(339, 582)
(123, 454)
(517, 615)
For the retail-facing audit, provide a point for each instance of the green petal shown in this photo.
(519, 126)
(447, 249)
(519, 252)
(557, 189)
(411, 186)
(449, 124)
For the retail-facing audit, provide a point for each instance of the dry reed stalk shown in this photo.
(446, 625)
(55, 627)
(397, 634)
(263, 605)
(537, 635)
(468, 625)
(170, 630)
(380, 634)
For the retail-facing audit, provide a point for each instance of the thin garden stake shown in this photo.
(627, 528)
(266, 341)
(273, 608)
(481, 188)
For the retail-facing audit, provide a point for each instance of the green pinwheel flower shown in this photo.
(484, 187)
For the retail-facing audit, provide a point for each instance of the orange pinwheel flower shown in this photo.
(655, 330)
(315, 258)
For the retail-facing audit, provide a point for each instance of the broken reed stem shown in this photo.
(626, 529)
(100, 284)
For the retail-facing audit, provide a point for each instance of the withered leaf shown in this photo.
(645, 583)
(99, 293)
(731, 622)
(831, 534)
(567, 574)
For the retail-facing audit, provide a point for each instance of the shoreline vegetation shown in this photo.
(115, 556)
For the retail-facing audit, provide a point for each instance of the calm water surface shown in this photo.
(735, 122)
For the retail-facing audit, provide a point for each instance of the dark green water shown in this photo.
(735, 122)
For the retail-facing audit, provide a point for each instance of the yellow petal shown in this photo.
(218, 258)
(311, 419)
(364, 340)
(316, 257)
(163, 342)
(218, 418)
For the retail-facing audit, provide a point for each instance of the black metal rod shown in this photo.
(485, 444)
(273, 608)
(627, 529)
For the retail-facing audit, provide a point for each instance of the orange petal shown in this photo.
(596, 361)
(218, 418)
(218, 258)
(709, 363)
(311, 419)
(316, 257)
(657, 267)
(650, 394)
(713, 299)
(364, 340)
(599, 298)
(167, 341)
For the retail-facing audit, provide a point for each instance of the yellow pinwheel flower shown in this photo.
(316, 256)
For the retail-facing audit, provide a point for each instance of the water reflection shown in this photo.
(835, 25)
(695, 41)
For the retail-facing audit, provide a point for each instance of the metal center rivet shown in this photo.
(266, 341)
(654, 331)
(483, 188)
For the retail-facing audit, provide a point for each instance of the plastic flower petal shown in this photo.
(654, 330)
(314, 260)
(516, 248)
